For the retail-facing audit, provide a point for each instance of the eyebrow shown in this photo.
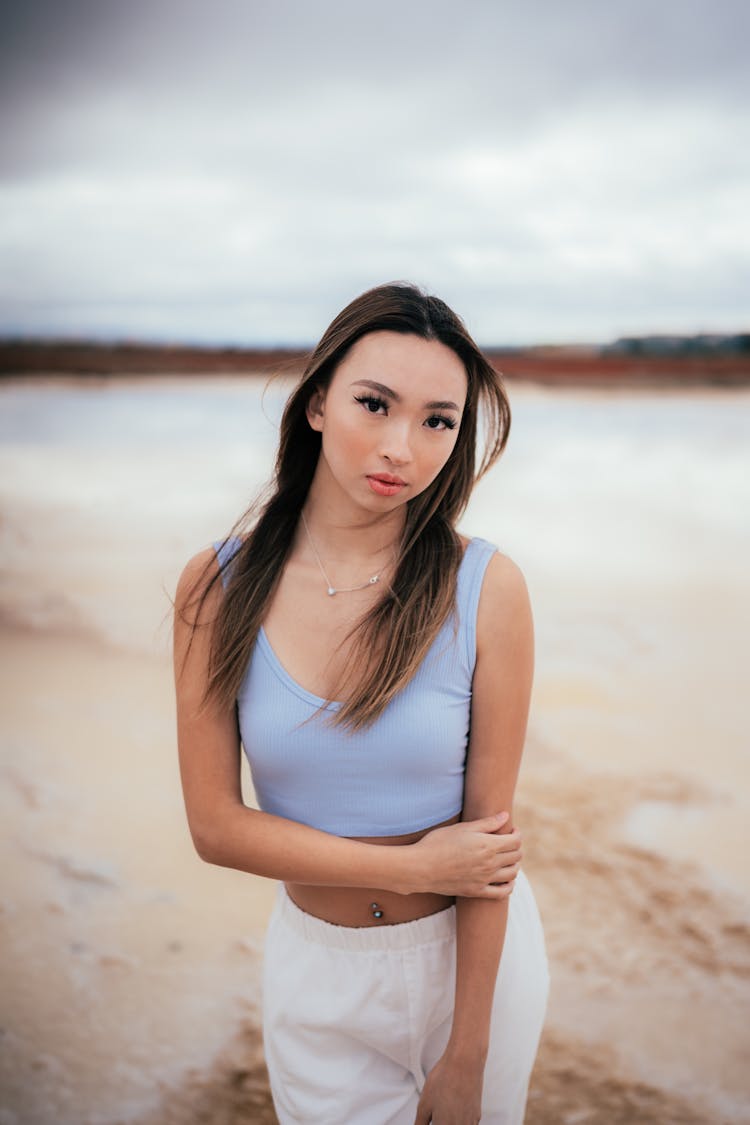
(437, 405)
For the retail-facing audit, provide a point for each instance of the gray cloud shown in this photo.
(240, 170)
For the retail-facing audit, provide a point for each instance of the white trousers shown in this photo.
(354, 1018)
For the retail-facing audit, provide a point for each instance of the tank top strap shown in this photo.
(225, 550)
(470, 577)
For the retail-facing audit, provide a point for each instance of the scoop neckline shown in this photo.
(294, 685)
(291, 683)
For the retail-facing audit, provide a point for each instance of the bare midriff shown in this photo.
(353, 906)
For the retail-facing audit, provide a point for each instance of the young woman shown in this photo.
(376, 666)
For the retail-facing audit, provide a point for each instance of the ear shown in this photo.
(315, 408)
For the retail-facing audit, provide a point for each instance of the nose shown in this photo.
(395, 446)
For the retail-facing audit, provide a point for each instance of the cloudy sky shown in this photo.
(236, 171)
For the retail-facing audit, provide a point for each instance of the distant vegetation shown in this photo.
(680, 345)
(715, 360)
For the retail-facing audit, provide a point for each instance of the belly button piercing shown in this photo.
(376, 911)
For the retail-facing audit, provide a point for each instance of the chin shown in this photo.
(381, 505)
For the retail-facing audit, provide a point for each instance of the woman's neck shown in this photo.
(349, 536)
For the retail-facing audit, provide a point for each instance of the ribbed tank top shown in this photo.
(400, 775)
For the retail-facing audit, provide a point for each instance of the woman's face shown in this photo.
(392, 410)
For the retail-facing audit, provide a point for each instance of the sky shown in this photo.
(236, 172)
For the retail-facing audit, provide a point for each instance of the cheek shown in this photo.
(439, 452)
(346, 440)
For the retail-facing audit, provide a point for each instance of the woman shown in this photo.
(377, 668)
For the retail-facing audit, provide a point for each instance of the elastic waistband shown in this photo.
(398, 935)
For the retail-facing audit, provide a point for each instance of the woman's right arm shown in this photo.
(470, 858)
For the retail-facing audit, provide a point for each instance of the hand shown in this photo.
(472, 859)
(452, 1094)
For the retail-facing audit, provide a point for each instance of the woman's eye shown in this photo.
(371, 402)
(447, 423)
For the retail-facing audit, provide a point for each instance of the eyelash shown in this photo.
(448, 422)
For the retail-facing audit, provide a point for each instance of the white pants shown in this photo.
(354, 1018)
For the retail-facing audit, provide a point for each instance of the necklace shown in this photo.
(331, 588)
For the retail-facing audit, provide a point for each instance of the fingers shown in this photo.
(487, 823)
(497, 891)
(510, 839)
(508, 845)
(506, 841)
(423, 1116)
(506, 874)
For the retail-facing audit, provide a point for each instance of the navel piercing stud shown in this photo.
(376, 911)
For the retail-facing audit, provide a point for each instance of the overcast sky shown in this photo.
(237, 171)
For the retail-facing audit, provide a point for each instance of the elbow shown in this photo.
(220, 836)
(204, 843)
(215, 837)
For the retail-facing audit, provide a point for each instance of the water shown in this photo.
(627, 512)
(597, 487)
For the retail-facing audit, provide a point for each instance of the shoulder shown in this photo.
(504, 610)
(503, 578)
(198, 569)
(197, 579)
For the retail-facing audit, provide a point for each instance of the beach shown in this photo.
(130, 969)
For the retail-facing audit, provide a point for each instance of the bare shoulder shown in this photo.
(199, 564)
(503, 580)
(196, 604)
(198, 577)
(504, 605)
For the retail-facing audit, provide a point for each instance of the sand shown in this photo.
(130, 968)
(130, 971)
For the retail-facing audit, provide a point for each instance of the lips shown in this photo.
(387, 478)
(385, 484)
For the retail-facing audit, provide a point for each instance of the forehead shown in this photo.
(405, 363)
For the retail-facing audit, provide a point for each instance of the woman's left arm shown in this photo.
(501, 694)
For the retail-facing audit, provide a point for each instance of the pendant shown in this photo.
(331, 591)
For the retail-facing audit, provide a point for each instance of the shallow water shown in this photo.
(600, 492)
(627, 511)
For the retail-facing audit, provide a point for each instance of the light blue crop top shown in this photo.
(404, 773)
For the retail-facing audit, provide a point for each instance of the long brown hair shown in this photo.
(393, 637)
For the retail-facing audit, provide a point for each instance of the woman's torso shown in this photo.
(303, 633)
(352, 906)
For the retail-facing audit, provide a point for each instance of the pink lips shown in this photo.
(385, 484)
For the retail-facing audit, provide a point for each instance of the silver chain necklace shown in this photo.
(331, 588)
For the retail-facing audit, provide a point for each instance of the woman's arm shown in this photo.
(500, 706)
(459, 859)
